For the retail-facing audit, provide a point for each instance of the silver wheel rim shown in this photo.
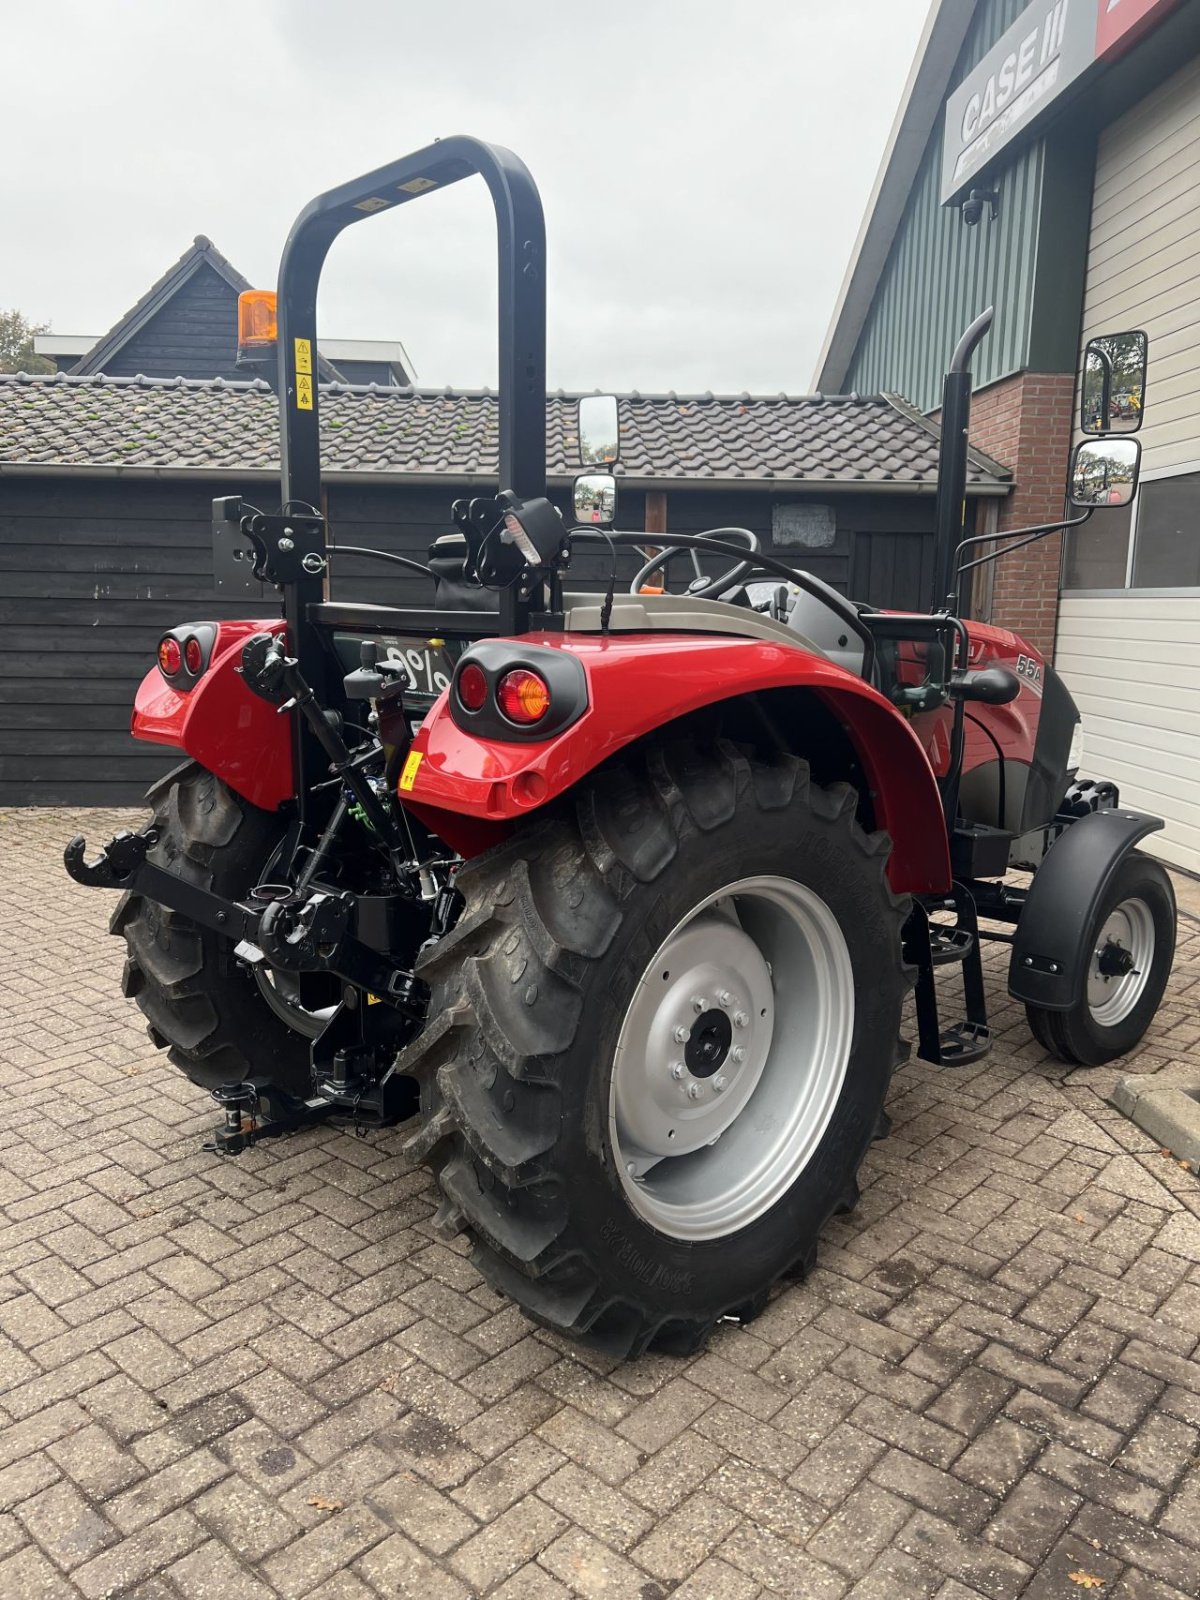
(706, 1139)
(1127, 936)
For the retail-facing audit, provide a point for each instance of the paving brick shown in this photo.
(138, 1558)
(323, 1550)
(65, 1526)
(501, 1482)
(431, 1519)
(398, 1567)
(507, 1543)
(212, 1570)
(861, 1529)
(679, 1543)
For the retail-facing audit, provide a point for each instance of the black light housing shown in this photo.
(534, 526)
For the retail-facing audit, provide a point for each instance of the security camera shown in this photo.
(972, 206)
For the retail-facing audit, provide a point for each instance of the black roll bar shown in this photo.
(521, 252)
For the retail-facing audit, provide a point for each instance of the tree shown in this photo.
(16, 344)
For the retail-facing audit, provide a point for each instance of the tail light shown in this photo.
(523, 696)
(472, 687)
(184, 654)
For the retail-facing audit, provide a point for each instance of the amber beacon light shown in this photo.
(257, 327)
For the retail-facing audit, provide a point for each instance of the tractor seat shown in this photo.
(452, 590)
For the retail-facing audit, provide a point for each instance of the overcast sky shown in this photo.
(704, 166)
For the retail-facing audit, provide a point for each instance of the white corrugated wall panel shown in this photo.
(1132, 664)
(1132, 661)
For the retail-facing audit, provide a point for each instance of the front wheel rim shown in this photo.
(1121, 962)
(731, 1058)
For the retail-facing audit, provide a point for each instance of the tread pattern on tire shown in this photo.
(506, 998)
(201, 1006)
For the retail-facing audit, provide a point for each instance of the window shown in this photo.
(1166, 541)
(1096, 556)
(1166, 553)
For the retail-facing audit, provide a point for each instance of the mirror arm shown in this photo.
(1018, 533)
(1034, 534)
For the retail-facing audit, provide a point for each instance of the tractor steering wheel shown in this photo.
(701, 586)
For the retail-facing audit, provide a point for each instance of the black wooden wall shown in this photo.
(92, 571)
(195, 333)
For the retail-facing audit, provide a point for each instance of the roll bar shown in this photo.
(521, 255)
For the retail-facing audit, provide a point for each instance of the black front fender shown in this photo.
(1050, 952)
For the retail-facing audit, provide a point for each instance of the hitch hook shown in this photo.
(117, 862)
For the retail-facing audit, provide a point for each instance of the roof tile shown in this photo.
(177, 424)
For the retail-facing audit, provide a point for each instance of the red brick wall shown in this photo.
(1025, 422)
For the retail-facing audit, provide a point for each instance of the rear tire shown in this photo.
(561, 933)
(202, 1006)
(1111, 1014)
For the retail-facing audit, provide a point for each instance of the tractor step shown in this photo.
(949, 944)
(964, 1043)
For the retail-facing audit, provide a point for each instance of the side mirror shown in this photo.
(1104, 472)
(1113, 385)
(599, 430)
(595, 499)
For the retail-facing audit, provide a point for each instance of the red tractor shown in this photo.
(621, 910)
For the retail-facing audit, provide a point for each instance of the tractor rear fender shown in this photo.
(1050, 952)
(469, 785)
(217, 721)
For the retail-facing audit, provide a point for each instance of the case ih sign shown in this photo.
(1049, 47)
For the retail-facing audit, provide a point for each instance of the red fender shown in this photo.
(220, 724)
(468, 789)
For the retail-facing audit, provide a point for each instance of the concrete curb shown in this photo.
(1168, 1112)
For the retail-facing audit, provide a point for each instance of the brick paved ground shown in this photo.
(265, 1377)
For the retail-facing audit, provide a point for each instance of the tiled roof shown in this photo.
(153, 425)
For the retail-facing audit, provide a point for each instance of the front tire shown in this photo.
(202, 1005)
(674, 878)
(1133, 929)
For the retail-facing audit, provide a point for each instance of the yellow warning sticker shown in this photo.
(417, 185)
(412, 765)
(303, 355)
(373, 999)
(304, 392)
(375, 203)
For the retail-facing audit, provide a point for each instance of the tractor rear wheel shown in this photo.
(665, 1025)
(219, 1020)
(1130, 947)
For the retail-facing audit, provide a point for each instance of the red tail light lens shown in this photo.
(472, 687)
(523, 696)
(170, 656)
(193, 655)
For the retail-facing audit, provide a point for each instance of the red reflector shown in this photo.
(170, 656)
(472, 687)
(523, 696)
(193, 656)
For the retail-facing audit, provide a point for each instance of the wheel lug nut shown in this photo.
(738, 1053)
(699, 1003)
(681, 1034)
(693, 1091)
(677, 1070)
(740, 1019)
(719, 1083)
(725, 999)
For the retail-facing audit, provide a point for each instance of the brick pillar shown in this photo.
(1026, 422)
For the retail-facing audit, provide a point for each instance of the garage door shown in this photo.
(1129, 621)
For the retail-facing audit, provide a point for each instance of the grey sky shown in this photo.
(704, 166)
